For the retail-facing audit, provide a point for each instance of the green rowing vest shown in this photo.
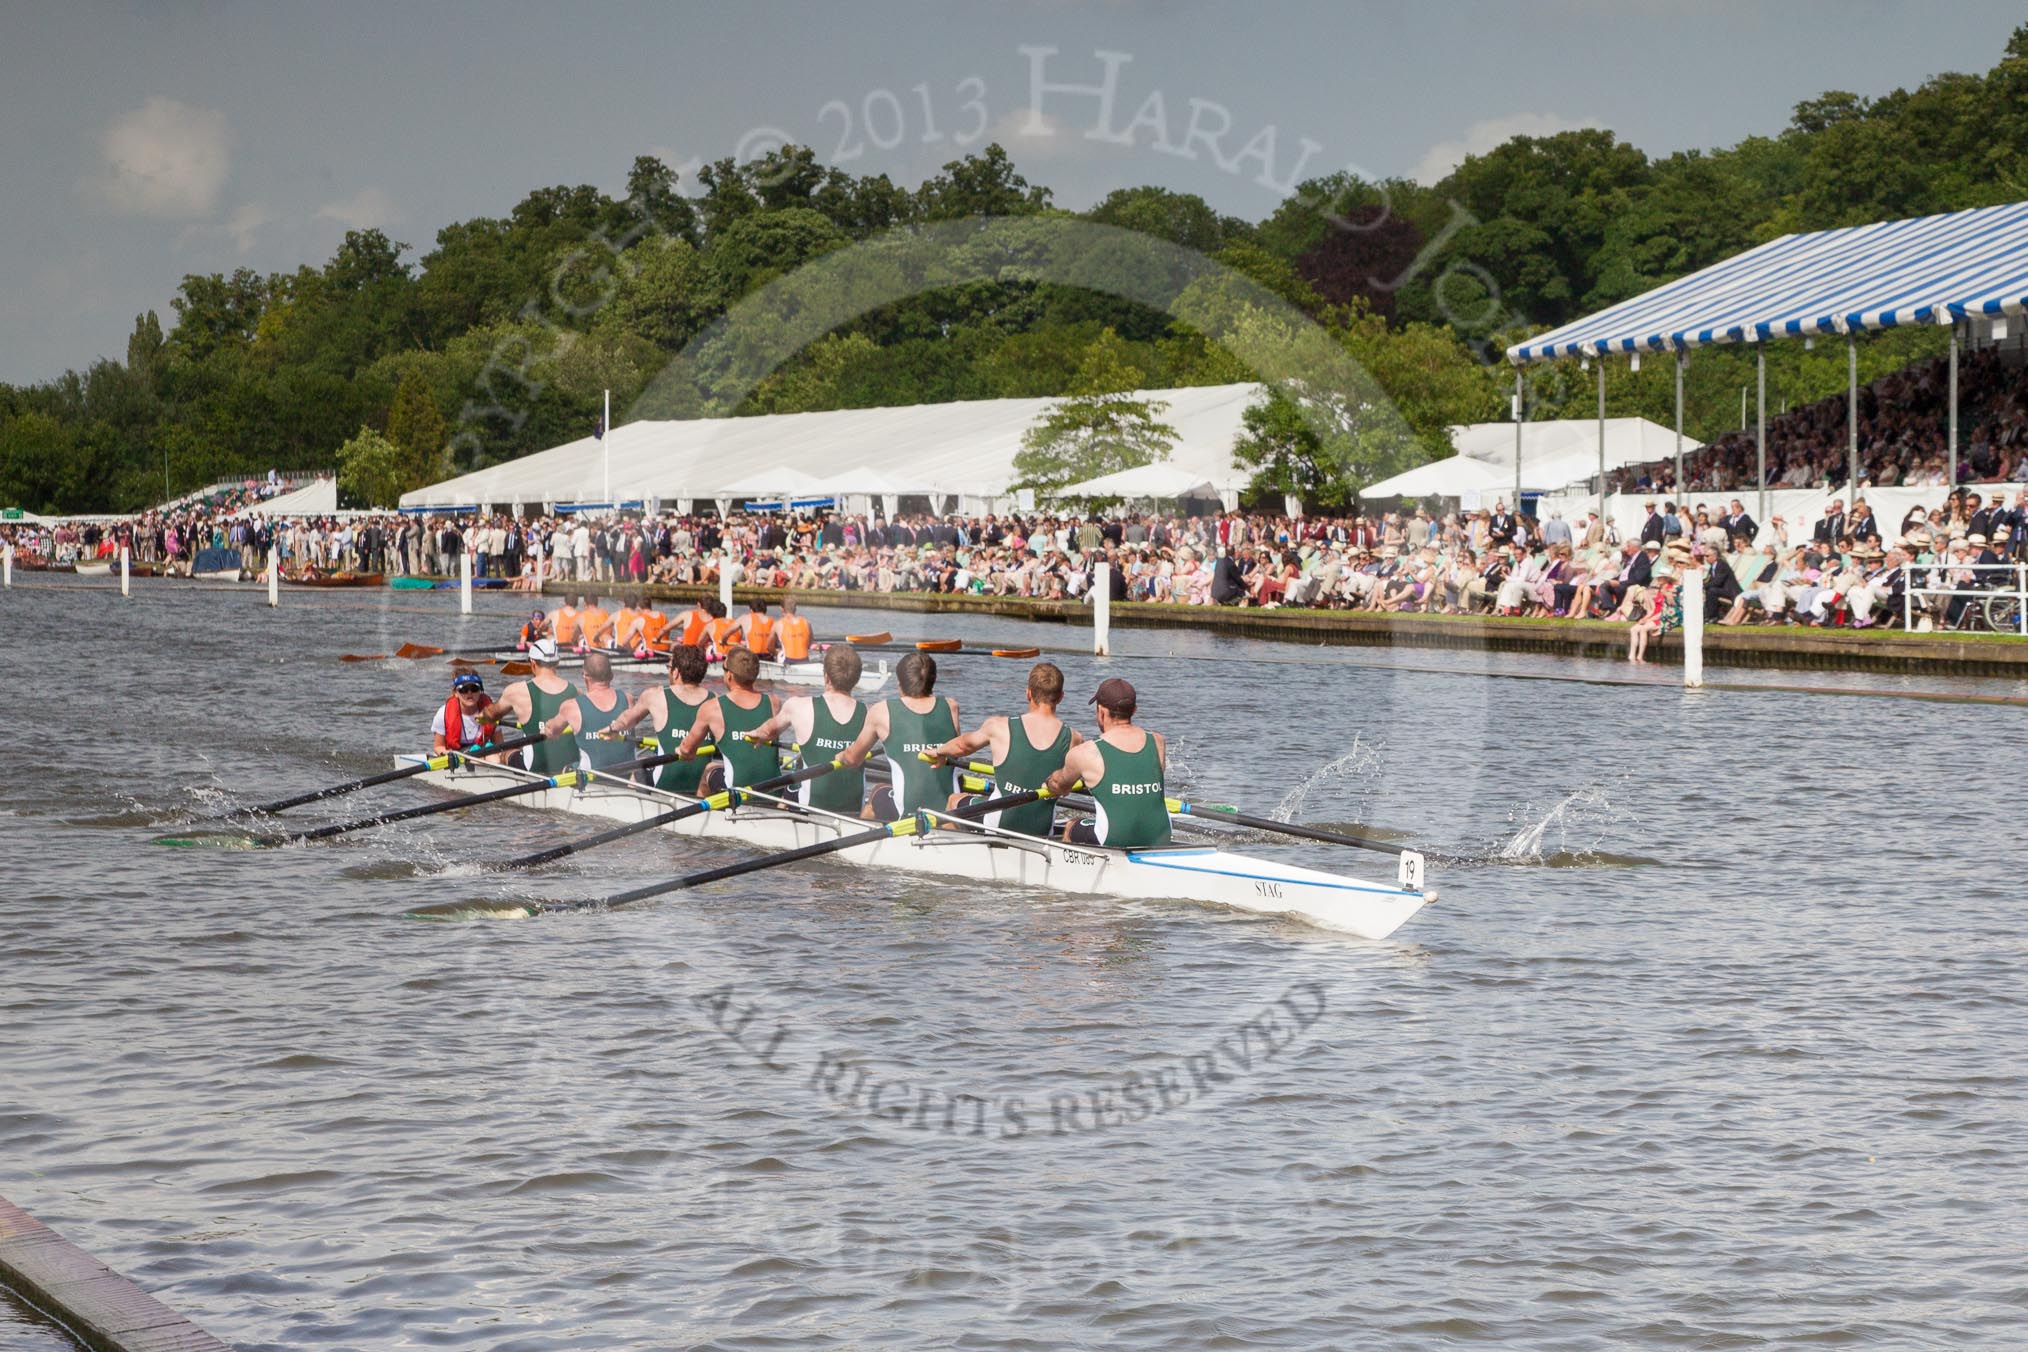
(677, 776)
(746, 763)
(1028, 767)
(559, 752)
(601, 754)
(840, 790)
(1133, 808)
(917, 785)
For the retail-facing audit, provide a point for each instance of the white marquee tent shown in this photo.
(1142, 481)
(963, 451)
(1554, 455)
(319, 497)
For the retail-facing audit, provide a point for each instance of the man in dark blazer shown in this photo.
(1831, 528)
(1737, 522)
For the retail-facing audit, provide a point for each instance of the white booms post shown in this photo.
(541, 548)
(274, 575)
(1693, 628)
(7, 564)
(1102, 610)
(725, 582)
(464, 582)
(126, 574)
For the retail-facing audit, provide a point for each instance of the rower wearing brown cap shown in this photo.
(1123, 773)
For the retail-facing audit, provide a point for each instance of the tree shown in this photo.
(980, 185)
(652, 194)
(755, 249)
(1181, 218)
(373, 470)
(417, 430)
(1100, 428)
(1287, 456)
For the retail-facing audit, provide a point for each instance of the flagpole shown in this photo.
(606, 444)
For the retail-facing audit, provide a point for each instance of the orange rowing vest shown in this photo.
(563, 626)
(724, 632)
(696, 623)
(654, 624)
(795, 631)
(593, 618)
(760, 632)
(623, 620)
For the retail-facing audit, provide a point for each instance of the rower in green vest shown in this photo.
(590, 712)
(825, 727)
(1026, 751)
(1123, 773)
(732, 720)
(670, 710)
(530, 704)
(917, 720)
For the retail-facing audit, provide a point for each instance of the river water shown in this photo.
(1713, 1040)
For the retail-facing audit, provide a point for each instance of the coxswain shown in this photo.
(594, 625)
(535, 627)
(756, 629)
(1026, 751)
(670, 710)
(792, 633)
(1123, 772)
(727, 720)
(589, 714)
(824, 727)
(654, 630)
(457, 725)
(696, 623)
(564, 625)
(529, 704)
(915, 721)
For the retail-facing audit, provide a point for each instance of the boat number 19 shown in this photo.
(1411, 871)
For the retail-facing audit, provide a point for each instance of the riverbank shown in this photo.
(97, 1306)
(1793, 647)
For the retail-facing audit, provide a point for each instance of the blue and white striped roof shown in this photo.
(1929, 270)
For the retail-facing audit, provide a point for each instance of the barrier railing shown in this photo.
(2001, 607)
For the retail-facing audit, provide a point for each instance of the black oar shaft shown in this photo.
(906, 826)
(1287, 828)
(716, 801)
(426, 810)
(441, 761)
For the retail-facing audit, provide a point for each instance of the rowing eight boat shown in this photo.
(1208, 875)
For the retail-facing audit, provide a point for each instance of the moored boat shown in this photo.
(1204, 874)
(314, 578)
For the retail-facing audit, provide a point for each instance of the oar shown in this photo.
(1221, 812)
(905, 826)
(442, 762)
(717, 802)
(270, 841)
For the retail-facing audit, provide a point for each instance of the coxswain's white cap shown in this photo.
(543, 651)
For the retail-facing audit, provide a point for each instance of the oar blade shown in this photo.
(417, 650)
(477, 908)
(212, 840)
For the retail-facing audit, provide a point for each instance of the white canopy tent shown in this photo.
(963, 451)
(1157, 480)
(1554, 455)
(319, 497)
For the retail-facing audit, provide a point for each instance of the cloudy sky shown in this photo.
(148, 141)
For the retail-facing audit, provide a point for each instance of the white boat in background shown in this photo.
(100, 568)
(1209, 875)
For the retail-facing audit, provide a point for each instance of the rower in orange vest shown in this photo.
(724, 632)
(626, 628)
(564, 625)
(654, 628)
(594, 623)
(696, 623)
(757, 630)
(792, 633)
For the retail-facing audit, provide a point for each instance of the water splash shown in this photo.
(1359, 764)
(1569, 834)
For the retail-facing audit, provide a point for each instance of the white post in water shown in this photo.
(274, 575)
(1693, 627)
(725, 581)
(7, 564)
(1102, 610)
(464, 582)
(540, 546)
(126, 585)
